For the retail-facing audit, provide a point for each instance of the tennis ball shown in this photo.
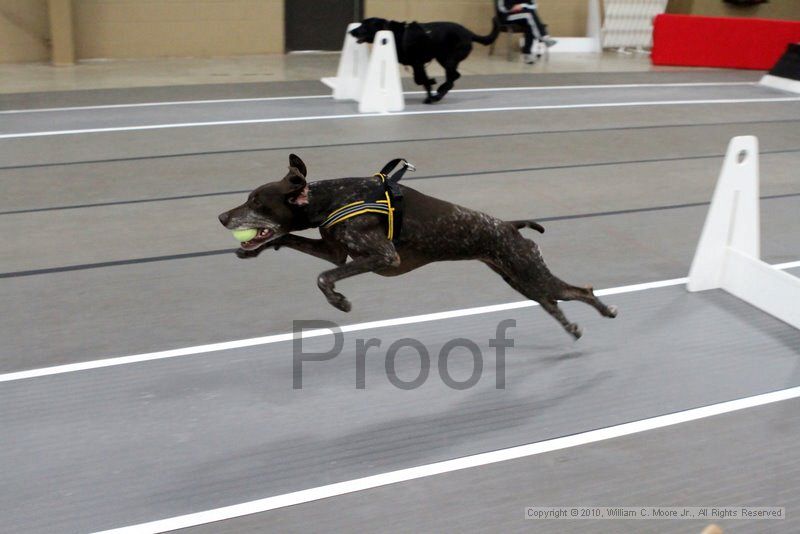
(245, 235)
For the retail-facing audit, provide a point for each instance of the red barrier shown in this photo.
(721, 41)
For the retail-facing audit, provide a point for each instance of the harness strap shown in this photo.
(399, 174)
(391, 205)
(356, 208)
(394, 193)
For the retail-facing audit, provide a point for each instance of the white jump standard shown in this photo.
(728, 255)
(372, 80)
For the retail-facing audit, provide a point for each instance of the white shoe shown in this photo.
(529, 59)
(548, 41)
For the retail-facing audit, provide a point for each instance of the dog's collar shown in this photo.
(389, 202)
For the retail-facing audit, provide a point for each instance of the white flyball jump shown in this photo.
(728, 255)
(372, 80)
(352, 71)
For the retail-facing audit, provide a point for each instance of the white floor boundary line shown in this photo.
(458, 464)
(278, 338)
(311, 97)
(397, 114)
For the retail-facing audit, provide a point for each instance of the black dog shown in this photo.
(419, 43)
(432, 230)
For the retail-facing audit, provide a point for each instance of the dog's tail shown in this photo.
(488, 39)
(519, 225)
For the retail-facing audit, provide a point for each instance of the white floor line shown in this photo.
(467, 462)
(308, 97)
(278, 338)
(397, 114)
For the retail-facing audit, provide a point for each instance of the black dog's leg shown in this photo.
(318, 248)
(450, 69)
(421, 78)
(372, 251)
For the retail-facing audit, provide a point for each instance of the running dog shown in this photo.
(391, 229)
(419, 43)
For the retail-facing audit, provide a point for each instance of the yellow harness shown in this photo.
(385, 206)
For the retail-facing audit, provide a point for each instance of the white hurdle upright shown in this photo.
(383, 91)
(352, 71)
(728, 255)
(589, 44)
(373, 79)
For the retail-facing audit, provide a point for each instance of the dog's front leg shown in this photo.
(318, 248)
(421, 78)
(381, 257)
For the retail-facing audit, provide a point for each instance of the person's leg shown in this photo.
(541, 27)
(525, 19)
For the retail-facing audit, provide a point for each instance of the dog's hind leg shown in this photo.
(523, 268)
(532, 292)
(551, 307)
(586, 295)
(554, 287)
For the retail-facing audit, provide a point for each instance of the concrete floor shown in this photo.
(112, 248)
(99, 74)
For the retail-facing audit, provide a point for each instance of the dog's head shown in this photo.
(272, 208)
(369, 27)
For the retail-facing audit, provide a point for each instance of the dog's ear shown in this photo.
(294, 182)
(297, 163)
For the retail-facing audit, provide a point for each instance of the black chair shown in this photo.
(511, 29)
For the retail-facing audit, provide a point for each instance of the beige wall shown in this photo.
(564, 17)
(159, 28)
(775, 9)
(24, 31)
(474, 14)
(202, 28)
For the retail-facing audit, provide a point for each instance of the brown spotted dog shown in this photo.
(432, 230)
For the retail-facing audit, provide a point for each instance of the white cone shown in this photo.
(732, 219)
(728, 254)
(383, 91)
(352, 71)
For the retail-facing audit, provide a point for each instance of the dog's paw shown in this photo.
(428, 100)
(340, 302)
(612, 312)
(245, 254)
(575, 330)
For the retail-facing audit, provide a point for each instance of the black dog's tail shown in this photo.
(488, 39)
(527, 224)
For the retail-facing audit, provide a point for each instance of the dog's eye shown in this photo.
(255, 202)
